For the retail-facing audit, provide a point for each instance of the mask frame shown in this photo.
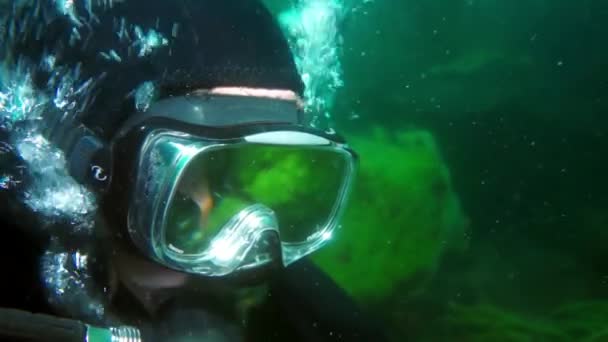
(230, 250)
(110, 167)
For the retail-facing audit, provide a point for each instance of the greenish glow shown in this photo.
(301, 185)
(574, 321)
(402, 216)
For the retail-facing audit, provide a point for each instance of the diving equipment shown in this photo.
(216, 183)
(41, 327)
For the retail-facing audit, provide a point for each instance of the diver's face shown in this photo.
(137, 272)
(143, 278)
(133, 269)
(214, 218)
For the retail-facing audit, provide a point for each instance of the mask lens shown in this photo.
(302, 185)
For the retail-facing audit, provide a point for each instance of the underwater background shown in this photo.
(481, 209)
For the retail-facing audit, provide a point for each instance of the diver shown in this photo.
(212, 185)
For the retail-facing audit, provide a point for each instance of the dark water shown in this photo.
(481, 210)
(515, 93)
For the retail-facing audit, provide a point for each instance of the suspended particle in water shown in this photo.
(175, 30)
(533, 37)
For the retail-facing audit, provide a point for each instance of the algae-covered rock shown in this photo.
(403, 214)
(583, 320)
(573, 321)
(486, 322)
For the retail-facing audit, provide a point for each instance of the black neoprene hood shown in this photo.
(209, 43)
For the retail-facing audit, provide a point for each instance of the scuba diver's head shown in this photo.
(196, 141)
(219, 183)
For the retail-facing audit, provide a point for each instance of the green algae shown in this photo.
(403, 214)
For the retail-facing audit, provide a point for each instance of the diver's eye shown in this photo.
(184, 226)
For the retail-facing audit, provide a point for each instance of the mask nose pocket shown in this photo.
(250, 238)
(265, 250)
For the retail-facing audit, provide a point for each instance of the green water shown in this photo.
(510, 97)
(480, 212)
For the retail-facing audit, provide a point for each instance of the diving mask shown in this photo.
(211, 185)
